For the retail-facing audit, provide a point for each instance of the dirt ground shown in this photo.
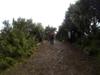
(57, 59)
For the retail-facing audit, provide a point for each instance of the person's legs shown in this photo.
(52, 41)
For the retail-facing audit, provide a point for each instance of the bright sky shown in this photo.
(48, 12)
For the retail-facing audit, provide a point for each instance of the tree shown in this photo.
(81, 20)
(80, 16)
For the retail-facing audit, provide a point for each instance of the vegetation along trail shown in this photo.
(80, 26)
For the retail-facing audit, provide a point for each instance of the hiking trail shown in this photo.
(57, 59)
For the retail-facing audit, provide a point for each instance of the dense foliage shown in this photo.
(82, 24)
(18, 40)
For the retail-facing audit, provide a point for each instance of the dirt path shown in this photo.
(59, 59)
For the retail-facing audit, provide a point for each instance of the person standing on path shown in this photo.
(51, 38)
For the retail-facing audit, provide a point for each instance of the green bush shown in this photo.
(89, 46)
(18, 41)
(6, 62)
